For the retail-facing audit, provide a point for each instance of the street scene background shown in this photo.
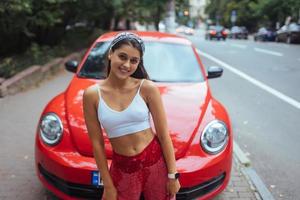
(257, 46)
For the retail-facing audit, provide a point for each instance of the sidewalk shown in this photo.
(240, 187)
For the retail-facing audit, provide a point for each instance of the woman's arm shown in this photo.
(156, 108)
(95, 134)
(157, 111)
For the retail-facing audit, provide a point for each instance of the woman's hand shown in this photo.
(109, 193)
(173, 187)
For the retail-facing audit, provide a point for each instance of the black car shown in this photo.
(265, 34)
(216, 32)
(238, 32)
(289, 33)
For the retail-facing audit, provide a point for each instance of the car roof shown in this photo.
(149, 36)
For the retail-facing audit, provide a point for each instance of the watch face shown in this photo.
(177, 175)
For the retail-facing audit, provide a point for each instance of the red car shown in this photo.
(198, 124)
(216, 32)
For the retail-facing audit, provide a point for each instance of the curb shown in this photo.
(241, 155)
(35, 74)
(251, 175)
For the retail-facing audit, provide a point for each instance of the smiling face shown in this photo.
(124, 61)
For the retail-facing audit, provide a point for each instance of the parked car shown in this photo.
(216, 32)
(238, 32)
(199, 125)
(185, 30)
(289, 33)
(265, 34)
(244, 32)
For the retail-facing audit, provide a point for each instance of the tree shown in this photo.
(272, 11)
(13, 20)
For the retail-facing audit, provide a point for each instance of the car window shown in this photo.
(219, 28)
(284, 28)
(164, 62)
(94, 65)
(294, 27)
(262, 30)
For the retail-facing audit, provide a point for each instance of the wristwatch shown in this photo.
(173, 175)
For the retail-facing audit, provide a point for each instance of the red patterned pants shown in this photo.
(143, 174)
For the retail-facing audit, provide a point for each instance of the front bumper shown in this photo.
(95, 192)
(201, 189)
(71, 189)
(68, 174)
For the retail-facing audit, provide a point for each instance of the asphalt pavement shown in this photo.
(259, 87)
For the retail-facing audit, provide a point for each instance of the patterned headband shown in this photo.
(127, 35)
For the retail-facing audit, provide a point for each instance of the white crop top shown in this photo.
(136, 117)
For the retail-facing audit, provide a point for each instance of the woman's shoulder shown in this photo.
(149, 89)
(91, 92)
(148, 85)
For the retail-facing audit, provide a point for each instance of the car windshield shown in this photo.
(219, 28)
(235, 28)
(164, 62)
(294, 27)
(263, 30)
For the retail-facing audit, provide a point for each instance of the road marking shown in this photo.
(261, 85)
(239, 46)
(268, 52)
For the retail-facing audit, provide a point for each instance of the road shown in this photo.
(259, 87)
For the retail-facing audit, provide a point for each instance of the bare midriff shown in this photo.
(132, 144)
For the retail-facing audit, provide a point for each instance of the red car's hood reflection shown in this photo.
(184, 105)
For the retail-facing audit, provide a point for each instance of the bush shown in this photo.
(75, 39)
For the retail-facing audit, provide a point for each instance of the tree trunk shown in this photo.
(170, 19)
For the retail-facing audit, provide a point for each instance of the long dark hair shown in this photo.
(140, 72)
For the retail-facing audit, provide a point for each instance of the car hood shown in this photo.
(184, 103)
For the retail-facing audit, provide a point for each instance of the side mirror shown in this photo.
(214, 72)
(71, 66)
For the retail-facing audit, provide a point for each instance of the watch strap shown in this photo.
(173, 175)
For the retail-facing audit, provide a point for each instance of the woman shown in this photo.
(143, 163)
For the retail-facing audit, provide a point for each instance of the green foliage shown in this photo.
(75, 39)
(272, 11)
(36, 29)
(253, 13)
(180, 7)
(13, 19)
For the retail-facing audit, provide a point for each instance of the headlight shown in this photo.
(51, 129)
(214, 137)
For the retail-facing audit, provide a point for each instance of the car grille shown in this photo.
(95, 192)
(72, 189)
(200, 190)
